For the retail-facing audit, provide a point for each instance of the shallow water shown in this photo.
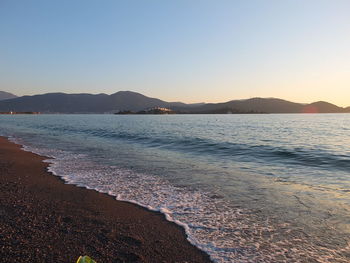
(247, 188)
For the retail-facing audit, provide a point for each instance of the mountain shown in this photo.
(322, 107)
(6, 95)
(84, 103)
(266, 105)
(134, 102)
(128, 100)
(254, 105)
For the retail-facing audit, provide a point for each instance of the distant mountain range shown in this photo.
(85, 103)
(132, 101)
(6, 95)
(268, 105)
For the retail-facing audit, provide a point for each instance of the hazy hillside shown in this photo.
(266, 105)
(322, 107)
(6, 95)
(127, 100)
(132, 101)
(83, 103)
(258, 105)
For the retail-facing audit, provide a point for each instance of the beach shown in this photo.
(45, 220)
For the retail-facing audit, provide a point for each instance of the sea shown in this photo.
(246, 188)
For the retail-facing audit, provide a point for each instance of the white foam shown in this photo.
(225, 232)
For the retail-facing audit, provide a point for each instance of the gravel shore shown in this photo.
(42, 219)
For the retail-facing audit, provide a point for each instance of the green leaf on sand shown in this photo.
(85, 259)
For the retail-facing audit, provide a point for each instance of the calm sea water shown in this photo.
(247, 188)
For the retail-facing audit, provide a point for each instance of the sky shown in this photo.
(179, 50)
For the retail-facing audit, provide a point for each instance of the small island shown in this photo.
(154, 110)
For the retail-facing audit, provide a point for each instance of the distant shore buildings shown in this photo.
(18, 112)
(154, 110)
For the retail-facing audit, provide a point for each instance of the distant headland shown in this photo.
(128, 102)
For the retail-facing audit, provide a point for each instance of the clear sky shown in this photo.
(179, 50)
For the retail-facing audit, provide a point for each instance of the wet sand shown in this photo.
(42, 219)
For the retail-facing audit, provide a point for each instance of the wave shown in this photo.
(311, 157)
(225, 231)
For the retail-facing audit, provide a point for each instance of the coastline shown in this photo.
(45, 220)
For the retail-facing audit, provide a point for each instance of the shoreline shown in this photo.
(43, 219)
